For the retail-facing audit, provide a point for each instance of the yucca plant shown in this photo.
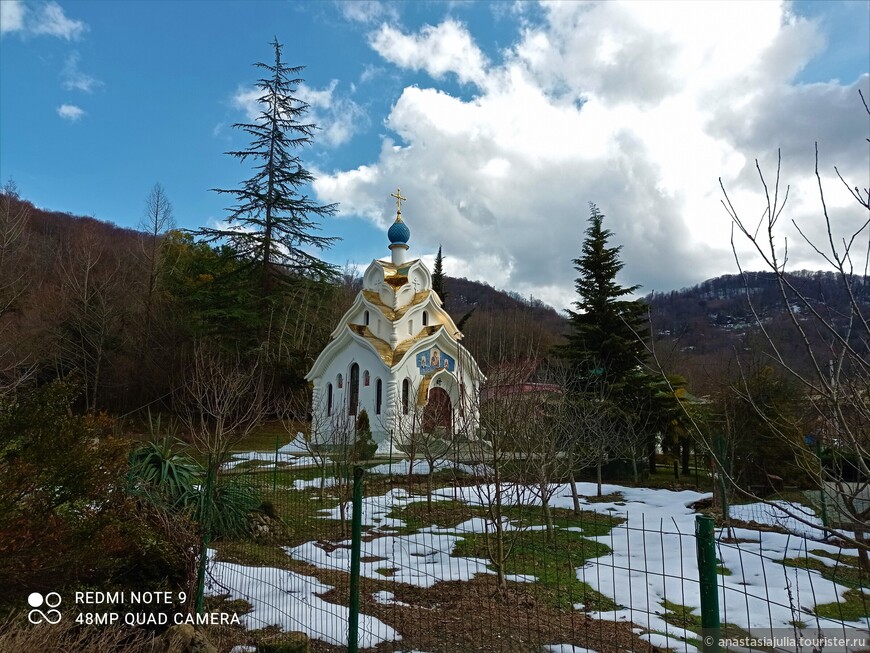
(223, 511)
(163, 475)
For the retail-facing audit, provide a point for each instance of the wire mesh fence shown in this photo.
(451, 560)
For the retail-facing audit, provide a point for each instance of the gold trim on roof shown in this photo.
(396, 281)
(423, 391)
(393, 315)
(396, 268)
(391, 356)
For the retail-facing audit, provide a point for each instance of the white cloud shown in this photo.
(51, 20)
(440, 49)
(48, 19)
(366, 11)
(11, 16)
(74, 79)
(639, 107)
(337, 117)
(70, 112)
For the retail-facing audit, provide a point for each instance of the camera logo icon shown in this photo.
(51, 600)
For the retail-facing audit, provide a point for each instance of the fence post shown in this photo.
(705, 543)
(355, 546)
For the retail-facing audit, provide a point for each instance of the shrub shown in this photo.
(364, 446)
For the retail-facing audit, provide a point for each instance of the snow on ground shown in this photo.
(652, 553)
(388, 598)
(421, 467)
(653, 559)
(774, 514)
(314, 483)
(421, 559)
(289, 600)
(566, 648)
(296, 445)
(284, 458)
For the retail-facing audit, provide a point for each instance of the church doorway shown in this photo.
(438, 414)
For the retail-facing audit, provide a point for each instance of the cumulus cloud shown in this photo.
(73, 79)
(440, 49)
(638, 107)
(337, 117)
(49, 19)
(70, 112)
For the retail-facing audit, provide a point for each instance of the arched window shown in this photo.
(366, 378)
(406, 390)
(379, 396)
(339, 383)
(366, 318)
(425, 318)
(411, 327)
(328, 399)
(353, 398)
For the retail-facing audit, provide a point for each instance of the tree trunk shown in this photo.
(598, 474)
(575, 498)
(652, 457)
(548, 518)
(686, 450)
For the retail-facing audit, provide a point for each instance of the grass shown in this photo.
(845, 572)
(683, 616)
(444, 514)
(553, 566)
(593, 524)
(854, 607)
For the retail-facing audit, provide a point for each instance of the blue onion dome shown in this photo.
(399, 234)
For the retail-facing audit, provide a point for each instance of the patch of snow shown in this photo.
(289, 600)
(267, 457)
(403, 468)
(566, 648)
(314, 483)
(666, 642)
(296, 445)
(421, 559)
(243, 648)
(388, 598)
(774, 514)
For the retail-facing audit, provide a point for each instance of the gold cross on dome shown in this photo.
(399, 198)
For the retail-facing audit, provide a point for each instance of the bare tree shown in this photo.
(497, 452)
(221, 400)
(156, 220)
(836, 347)
(14, 215)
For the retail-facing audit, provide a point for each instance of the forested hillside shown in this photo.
(119, 309)
(703, 330)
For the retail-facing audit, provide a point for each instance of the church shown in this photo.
(395, 354)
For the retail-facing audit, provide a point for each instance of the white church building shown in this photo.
(395, 354)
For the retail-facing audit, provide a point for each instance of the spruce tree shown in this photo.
(605, 344)
(273, 223)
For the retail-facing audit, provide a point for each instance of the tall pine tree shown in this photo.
(274, 222)
(604, 344)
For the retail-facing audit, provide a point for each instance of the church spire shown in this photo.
(399, 234)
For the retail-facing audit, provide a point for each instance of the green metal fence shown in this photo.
(376, 561)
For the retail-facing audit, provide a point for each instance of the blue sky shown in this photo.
(499, 121)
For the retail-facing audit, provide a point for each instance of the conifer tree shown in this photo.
(274, 222)
(438, 277)
(604, 343)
